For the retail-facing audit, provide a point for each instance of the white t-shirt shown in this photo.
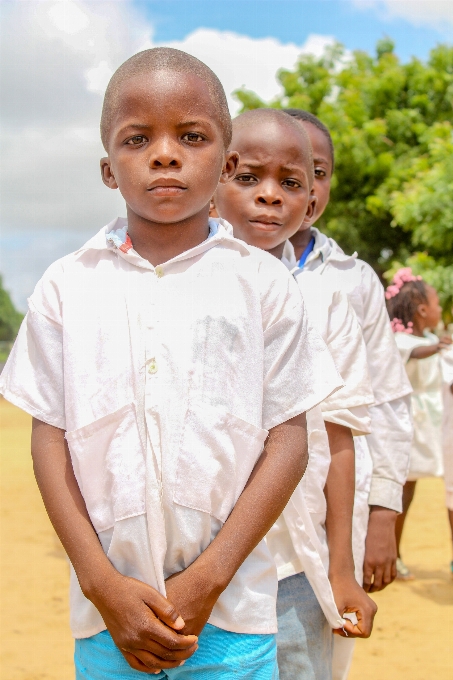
(167, 380)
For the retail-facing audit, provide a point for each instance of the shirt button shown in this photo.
(159, 272)
(152, 368)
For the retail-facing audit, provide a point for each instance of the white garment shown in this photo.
(333, 317)
(388, 378)
(426, 400)
(167, 380)
(343, 651)
(446, 364)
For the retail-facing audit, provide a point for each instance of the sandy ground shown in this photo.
(413, 633)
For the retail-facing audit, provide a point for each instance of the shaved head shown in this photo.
(250, 119)
(164, 59)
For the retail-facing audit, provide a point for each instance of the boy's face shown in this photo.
(322, 159)
(165, 146)
(269, 196)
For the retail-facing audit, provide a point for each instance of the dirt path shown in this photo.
(413, 634)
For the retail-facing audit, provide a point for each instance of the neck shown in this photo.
(418, 327)
(159, 242)
(277, 251)
(300, 241)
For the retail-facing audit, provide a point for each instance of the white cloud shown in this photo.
(56, 57)
(239, 60)
(435, 13)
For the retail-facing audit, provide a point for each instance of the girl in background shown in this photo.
(415, 312)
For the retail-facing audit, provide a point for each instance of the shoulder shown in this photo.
(47, 297)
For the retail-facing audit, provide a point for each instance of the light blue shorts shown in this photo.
(221, 655)
(304, 639)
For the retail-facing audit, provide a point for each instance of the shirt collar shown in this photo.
(114, 236)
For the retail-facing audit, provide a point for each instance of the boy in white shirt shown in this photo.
(160, 364)
(383, 456)
(265, 202)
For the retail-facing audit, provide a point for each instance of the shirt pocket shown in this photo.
(109, 465)
(217, 455)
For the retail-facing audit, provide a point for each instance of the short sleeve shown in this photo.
(299, 371)
(33, 375)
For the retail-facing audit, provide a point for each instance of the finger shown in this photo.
(347, 630)
(393, 571)
(168, 638)
(153, 662)
(137, 665)
(367, 577)
(377, 579)
(387, 577)
(166, 654)
(163, 609)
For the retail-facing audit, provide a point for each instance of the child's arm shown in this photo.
(339, 491)
(134, 613)
(279, 469)
(423, 352)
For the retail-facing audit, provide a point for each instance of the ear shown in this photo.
(107, 173)
(230, 167)
(422, 310)
(311, 207)
(212, 208)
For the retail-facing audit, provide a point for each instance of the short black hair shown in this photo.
(308, 117)
(255, 115)
(164, 59)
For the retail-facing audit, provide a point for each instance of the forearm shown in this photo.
(339, 492)
(423, 352)
(65, 505)
(268, 490)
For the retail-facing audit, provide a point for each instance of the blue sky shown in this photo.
(358, 25)
(56, 57)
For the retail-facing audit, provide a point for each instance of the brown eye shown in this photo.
(136, 140)
(245, 178)
(292, 183)
(193, 137)
(320, 173)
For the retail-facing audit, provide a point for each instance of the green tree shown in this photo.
(10, 318)
(391, 123)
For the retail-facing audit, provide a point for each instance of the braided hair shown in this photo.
(403, 296)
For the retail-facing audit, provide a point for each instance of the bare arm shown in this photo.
(423, 352)
(270, 486)
(134, 613)
(339, 492)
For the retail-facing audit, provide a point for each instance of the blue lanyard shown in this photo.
(307, 251)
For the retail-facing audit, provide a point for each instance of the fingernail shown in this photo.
(182, 663)
(180, 622)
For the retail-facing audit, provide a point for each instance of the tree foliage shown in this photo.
(391, 123)
(10, 318)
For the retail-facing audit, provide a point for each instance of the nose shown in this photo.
(164, 154)
(269, 193)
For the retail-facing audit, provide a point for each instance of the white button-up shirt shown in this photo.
(293, 550)
(167, 380)
(391, 428)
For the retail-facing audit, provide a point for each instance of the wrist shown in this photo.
(378, 511)
(214, 575)
(98, 582)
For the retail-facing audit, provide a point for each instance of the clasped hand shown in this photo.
(151, 631)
